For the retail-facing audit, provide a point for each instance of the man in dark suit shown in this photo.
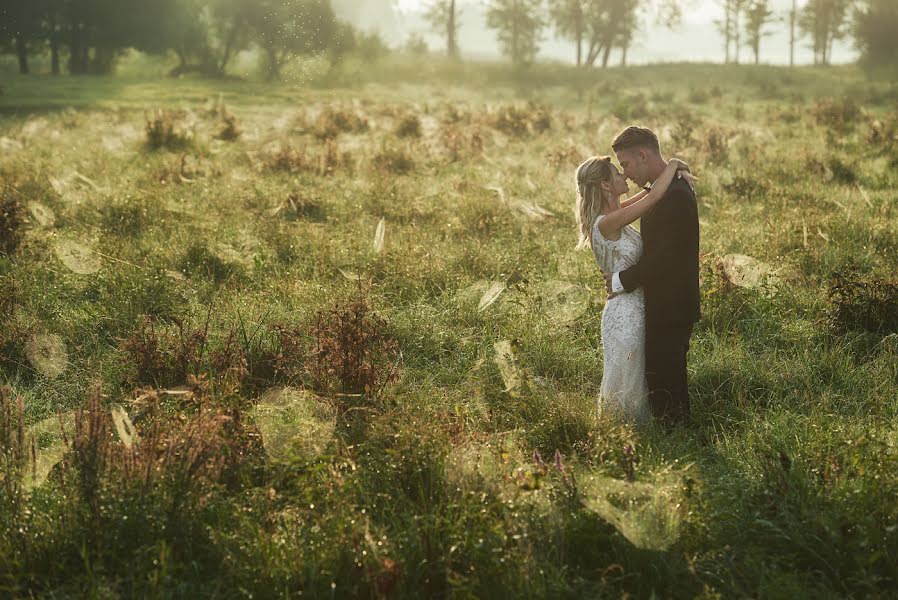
(667, 272)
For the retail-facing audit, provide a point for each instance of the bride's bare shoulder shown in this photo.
(605, 232)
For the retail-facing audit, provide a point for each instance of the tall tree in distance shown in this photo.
(725, 27)
(443, 18)
(20, 28)
(793, 19)
(518, 25)
(875, 27)
(824, 21)
(739, 7)
(609, 24)
(757, 16)
(568, 18)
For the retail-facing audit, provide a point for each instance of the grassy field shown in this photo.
(334, 340)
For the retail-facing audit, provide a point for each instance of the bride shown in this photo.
(603, 221)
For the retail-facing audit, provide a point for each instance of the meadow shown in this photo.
(331, 338)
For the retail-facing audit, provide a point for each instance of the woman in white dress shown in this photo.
(603, 222)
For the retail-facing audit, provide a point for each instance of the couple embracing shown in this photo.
(651, 275)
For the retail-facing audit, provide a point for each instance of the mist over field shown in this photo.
(291, 302)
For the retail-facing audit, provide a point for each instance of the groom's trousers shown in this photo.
(665, 370)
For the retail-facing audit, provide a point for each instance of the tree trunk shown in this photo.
(54, 55)
(451, 45)
(606, 55)
(736, 34)
(75, 52)
(579, 42)
(226, 55)
(728, 31)
(84, 59)
(515, 54)
(623, 56)
(792, 33)
(274, 64)
(22, 53)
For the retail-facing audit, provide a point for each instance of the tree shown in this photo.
(568, 18)
(729, 26)
(875, 25)
(793, 17)
(443, 18)
(757, 15)
(725, 27)
(518, 24)
(206, 34)
(824, 21)
(20, 28)
(287, 28)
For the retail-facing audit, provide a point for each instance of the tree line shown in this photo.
(597, 27)
(86, 36)
(205, 35)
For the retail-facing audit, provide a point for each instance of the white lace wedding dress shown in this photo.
(624, 390)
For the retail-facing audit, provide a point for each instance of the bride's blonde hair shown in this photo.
(590, 196)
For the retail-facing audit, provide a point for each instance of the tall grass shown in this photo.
(265, 340)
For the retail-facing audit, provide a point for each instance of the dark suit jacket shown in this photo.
(668, 269)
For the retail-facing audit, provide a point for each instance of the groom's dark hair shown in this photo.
(636, 137)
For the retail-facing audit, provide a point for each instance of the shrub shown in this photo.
(842, 171)
(882, 135)
(838, 114)
(165, 130)
(352, 351)
(519, 121)
(289, 159)
(716, 144)
(858, 305)
(332, 122)
(409, 126)
(631, 107)
(393, 160)
(457, 144)
(230, 130)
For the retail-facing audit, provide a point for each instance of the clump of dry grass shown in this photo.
(882, 134)
(297, 207)
(458, 143)
(185, 169)
(716, 144)
(165, 129)
(328, 162)
(13, 220)
(519, 121)
(863, 305)
(409, 126)
(838, 114)
(333, 121)
(230, 130)
(393, 160)
(567, 156)
(352, 351)
(287, 158)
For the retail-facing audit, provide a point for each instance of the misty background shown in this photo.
(696, 38)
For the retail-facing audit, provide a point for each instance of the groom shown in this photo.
(667, 272)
